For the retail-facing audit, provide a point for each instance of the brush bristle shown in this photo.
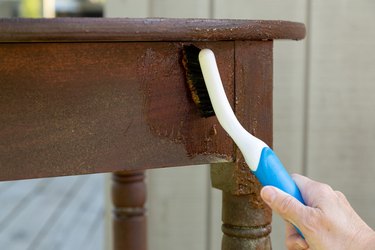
(195, 80)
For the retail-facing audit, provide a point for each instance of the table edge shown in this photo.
(145, 29)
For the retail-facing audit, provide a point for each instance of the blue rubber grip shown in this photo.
(271, 172)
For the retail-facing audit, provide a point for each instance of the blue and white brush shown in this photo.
(208, 93)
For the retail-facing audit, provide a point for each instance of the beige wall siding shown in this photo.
(177, 208)
(341, 135)
(181, 9)
(324, 101)
(127, 8)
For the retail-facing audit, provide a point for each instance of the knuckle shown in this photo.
(319, 187)
(311, 186)
(324, 190)
(340, 195)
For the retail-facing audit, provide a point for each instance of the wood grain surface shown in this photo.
(289, 80)
(77, 108)
(152, 29)
(246, 219)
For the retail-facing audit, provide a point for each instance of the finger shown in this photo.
(290, 229)
(342, 197)
(304, 184)
(296, 245)
(293, 240)
(315, 194)
(284, 204)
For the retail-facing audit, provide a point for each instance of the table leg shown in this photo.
(246, 219)
(129, 219)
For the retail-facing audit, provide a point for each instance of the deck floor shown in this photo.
(62, 213)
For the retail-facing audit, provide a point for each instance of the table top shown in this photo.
(145, 29)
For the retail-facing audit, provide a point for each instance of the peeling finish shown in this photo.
(188, 126)
(246, 218)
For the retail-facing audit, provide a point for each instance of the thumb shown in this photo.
(284, 204)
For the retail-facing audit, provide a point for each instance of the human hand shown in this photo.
(327, 222)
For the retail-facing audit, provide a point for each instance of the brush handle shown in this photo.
(271, 172)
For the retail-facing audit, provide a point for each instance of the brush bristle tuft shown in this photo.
(195, 80)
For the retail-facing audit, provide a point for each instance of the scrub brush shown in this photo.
(208, 93)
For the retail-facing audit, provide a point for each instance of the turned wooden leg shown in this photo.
(246, 219)
(129, 219)
(244, 226)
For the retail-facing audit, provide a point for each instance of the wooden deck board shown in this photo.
(58, 210)
(43, 213)
(18, 198)
(89, 216)
(42, 203)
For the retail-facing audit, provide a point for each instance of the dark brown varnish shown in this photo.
(140, 29)
(82, 96)
(79, 108)
(246, 219)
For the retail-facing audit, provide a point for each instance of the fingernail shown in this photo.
(268, 194)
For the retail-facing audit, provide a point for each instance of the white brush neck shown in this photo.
(250, 146)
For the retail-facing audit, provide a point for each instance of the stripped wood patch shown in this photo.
(53, 213)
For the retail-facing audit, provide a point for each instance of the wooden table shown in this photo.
(82, 96)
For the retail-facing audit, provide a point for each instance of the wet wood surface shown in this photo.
(246, 219)
(79, 108)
